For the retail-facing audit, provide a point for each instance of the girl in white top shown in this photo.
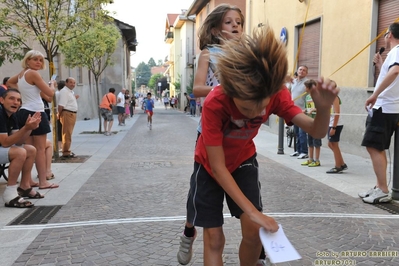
(33, 88)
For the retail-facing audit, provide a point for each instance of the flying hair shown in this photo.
(252, 68)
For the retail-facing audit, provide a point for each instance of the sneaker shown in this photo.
(265, 262)
(334, 170)
(314, 164)
(306, 163)
(378, 196)
(186, 249)
(303, 156)
(150, 126)
(367, 193)
(344, 167)
(294, 154)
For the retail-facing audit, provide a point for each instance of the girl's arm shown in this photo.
(12, 82)
(199, 88)
(33, 77)
(226, 181)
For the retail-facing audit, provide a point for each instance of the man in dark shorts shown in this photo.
(383, 118)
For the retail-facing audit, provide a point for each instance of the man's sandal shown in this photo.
(26, 193)
(19, 202)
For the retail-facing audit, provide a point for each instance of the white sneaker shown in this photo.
(186, 249)
(150, 126)
(377, 197)
(294, 154)
(367, 193)
(302, 156)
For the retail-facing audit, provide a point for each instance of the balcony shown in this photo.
(169, 37)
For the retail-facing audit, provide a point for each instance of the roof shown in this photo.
(196, 7)
(129, 32)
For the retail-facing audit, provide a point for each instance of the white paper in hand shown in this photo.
(277, 246)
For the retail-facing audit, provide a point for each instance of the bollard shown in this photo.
(280, 149)
(395, 179)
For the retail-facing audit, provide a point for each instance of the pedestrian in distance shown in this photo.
(383, 116)
(298, 95)
(225, 155)
(32, 87)
(132, 105)
(67, 114)
(334, 134)
(148, 104)
(3, 87)
(314, 144)
(120, 105)
(107, 103)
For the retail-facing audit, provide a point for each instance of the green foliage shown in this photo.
(177, 84)
(143, 74)
(153, 83)
(93, 49)
(160, 62)
(190, 84)
(50, 23)
(151, 62)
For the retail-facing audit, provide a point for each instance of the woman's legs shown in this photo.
(39, 142)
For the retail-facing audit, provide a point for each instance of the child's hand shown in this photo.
(324, 93)
(266, 222)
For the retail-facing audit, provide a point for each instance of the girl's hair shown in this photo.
(31, 54)
(252, 68)
(214, 20)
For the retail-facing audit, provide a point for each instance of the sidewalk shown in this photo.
(73, 176)
(70, 177)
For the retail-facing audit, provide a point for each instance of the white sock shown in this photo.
(10, 193)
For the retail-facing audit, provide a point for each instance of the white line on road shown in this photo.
(182, 218)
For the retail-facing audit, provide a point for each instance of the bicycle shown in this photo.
(290, 134)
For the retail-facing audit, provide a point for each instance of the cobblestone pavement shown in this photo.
(131, 210)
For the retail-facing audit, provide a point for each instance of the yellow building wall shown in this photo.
(345, 30)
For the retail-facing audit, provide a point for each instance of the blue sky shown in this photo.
(148, 17)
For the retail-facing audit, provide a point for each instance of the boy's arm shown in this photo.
(323, 95)
(226, 181)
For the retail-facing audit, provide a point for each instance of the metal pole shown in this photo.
(280, 136)
(395, 179)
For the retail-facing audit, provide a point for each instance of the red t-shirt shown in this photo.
(223, 125)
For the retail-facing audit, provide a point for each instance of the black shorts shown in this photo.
(44, 126)
(379, 129)
(205, 197)
(337, 134)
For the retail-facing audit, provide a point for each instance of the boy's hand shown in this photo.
(266, 222)
(324, 93)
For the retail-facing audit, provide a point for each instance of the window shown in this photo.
(79, 75)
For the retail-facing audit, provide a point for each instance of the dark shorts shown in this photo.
(337, 134)
(206, 196)
(121, 110)
(312, 142)
(379, 130)
(44, 126)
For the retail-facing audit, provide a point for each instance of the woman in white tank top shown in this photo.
(33, 88)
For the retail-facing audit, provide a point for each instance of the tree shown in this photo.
(151, 62)
(93, 50)
(143, 74)
(49, 23)
(153, 83)
(160, 62)
(177, 84)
